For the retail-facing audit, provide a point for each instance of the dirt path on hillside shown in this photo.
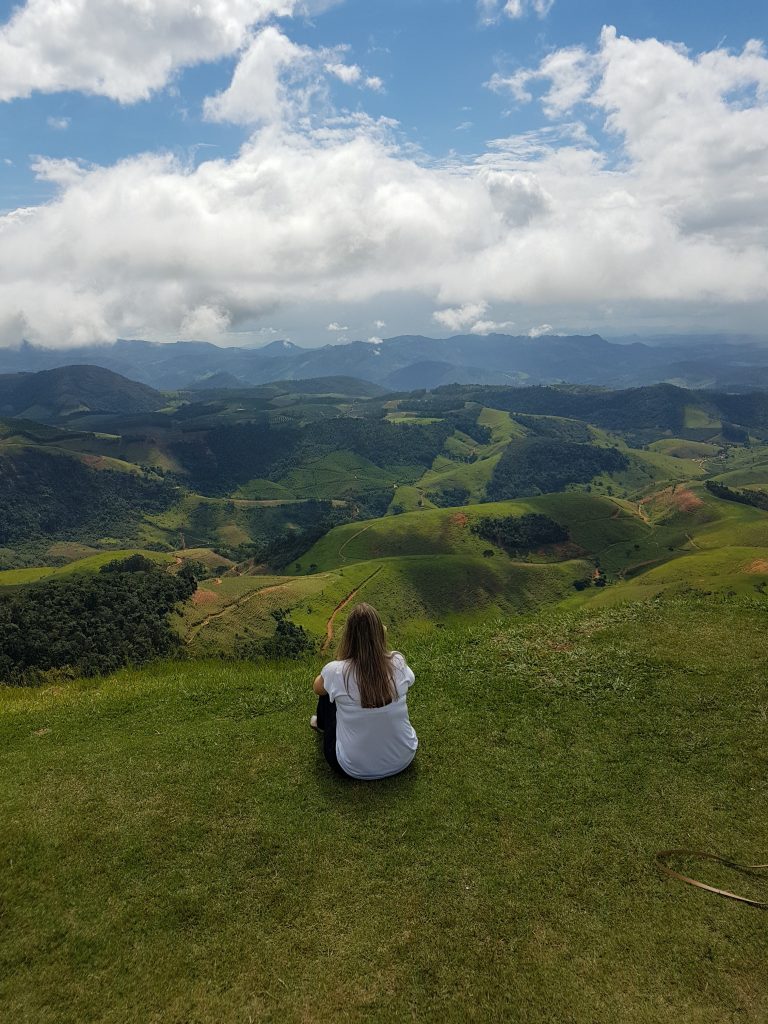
(354, 536)
(195, 631)
(343, 604)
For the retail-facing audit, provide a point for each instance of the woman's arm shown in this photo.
(319, 687)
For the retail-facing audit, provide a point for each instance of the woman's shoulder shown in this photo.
(398, 662)
(333, 667)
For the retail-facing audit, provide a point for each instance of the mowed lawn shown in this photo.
(173, 849)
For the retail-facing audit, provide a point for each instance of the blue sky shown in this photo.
(431, 83)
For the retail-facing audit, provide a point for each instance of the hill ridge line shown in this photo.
(342, 604)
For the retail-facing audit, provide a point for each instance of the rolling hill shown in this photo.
(303, 494)
(56, 394)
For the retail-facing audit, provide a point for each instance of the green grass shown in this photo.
(735, 570)
(18, 577)
(446, 475)
(596, 525)
(647, 471)
(679, 448)
(174, 848)
(410, 498)
(743, 466)
(503, 428)
(263, 490)
(406, 590)
(342, 474)
(70, 550)
(698, 418)
(241, 607)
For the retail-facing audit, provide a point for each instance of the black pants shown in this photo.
(326, 721)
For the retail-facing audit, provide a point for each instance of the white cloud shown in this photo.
(204, 323)
(670, 222)
(541, 331)
(470, 317)
(375, 340)
(352, 74)
(272, 78)
(570, 73)
(277, 81)
(493, 10)
(347, 73)
(460, 317)
(491, 326)
(379, 324)
(336, 327)
(59, 124)
(124, 49)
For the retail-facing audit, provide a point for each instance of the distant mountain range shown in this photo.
(411, 362)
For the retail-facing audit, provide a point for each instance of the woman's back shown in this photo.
(371, 742)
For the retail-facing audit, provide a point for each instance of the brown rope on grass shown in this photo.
(747, 869)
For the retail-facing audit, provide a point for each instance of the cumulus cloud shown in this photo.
(570, 73)
(671, 219)
(59, 124)
(491, 326)
(272, 80)
(541, 331)
(347, 73)
(493, 10)
(460, 317)
(335, 328)
(121, 48)
(277, 81)
(352, 74)
(470, 317)
(204, 322)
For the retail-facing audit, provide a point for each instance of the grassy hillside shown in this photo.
(175, 849)
(92, 563)
(597, 526)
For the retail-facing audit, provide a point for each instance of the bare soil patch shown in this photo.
(760, 565)
(201, 597)
(679, 499)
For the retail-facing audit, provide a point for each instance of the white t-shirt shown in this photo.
(371, 743)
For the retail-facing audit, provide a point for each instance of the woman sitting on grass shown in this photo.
(362, 710)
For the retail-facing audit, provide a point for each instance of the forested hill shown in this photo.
(656, 407)
(50, 395)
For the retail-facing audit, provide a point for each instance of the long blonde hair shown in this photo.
(364, 645)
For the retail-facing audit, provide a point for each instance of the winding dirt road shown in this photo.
(195, 631)
(343, 604)
(354, 536)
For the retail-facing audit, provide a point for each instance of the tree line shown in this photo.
(90, 624)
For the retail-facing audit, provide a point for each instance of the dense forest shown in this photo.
(92, 623)
(756, 498)
(542, 466)
(221, 459)
(519, 534)
(656, 407)
(56, 497)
